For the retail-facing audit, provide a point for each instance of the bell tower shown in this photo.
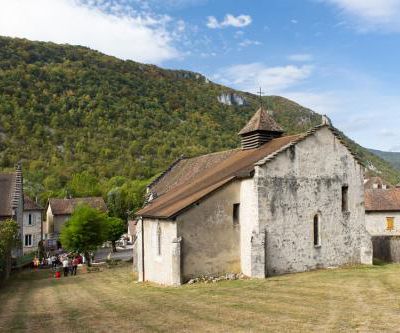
(260, 129)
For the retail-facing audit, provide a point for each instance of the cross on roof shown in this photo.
(261, 93)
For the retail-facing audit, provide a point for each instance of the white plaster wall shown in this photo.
(301, 182)
(248, 222)
(35, 229)
(211, 242)
(157, 268)
(48, 226)
(376, 223)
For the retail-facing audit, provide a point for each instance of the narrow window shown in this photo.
(158, 239)
(345, 204)
(28, 240)
(390, 223)
(317, 239)
(30, 219)
(235, 215)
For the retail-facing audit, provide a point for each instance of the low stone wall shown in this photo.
(386, 248)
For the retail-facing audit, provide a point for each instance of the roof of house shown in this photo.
(29, 204)
(382, 200)
(377, 181)
(261, 121)
(7, 189)
(67, 206)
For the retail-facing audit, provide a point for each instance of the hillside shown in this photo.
(391, 157)
(84, 123)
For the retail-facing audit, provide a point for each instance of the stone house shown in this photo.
(279, 204)
(60, 210)
(32, 225)
(382, 216)
(11, 200)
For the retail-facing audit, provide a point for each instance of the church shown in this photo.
(278, 204)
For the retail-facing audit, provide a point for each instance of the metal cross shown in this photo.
(261, 94)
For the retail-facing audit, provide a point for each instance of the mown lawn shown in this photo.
(365, 299)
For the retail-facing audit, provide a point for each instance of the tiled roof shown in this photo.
(184, 170)
(29, 204)
(67, 206)
(382, 200)
(261, 121)
(7, 189)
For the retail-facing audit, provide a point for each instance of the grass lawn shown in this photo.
(363, 299)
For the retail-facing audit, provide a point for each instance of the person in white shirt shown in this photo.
(65, 264)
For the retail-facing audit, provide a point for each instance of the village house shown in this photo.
(376, 183)
(60, 210)
(279, 204)
(382, 216)
(32, 225)
(11, 200)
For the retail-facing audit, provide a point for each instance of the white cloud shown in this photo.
(239, 21)
(250, 77)
(300, 57)
(249, 42)
(110, 27)
(371, 14)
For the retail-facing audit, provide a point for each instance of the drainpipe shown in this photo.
(143, 277)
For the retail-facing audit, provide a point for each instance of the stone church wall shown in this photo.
(210, 240)
(300, 183)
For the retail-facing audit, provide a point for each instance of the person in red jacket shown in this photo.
(75, 263)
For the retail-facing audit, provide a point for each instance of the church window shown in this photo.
(235, 215)
(390, 223)
(317, 236)
(345, 204)
(28, 240)
(30, 219)
(158, 239)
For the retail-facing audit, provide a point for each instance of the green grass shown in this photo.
(363, 299)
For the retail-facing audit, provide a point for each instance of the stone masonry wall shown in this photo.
(298, 184)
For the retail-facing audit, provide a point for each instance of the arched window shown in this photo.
(317, 236)
(158, 239)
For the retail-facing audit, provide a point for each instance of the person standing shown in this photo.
(53, 261)
(65, 266)
(75, 263)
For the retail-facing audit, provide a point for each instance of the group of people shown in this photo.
(68, 262)
(70, 265)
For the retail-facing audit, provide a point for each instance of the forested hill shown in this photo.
(84, 123)
(392, 157)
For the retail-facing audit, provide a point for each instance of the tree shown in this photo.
(85, 231)
(8, 240)
(115, 228)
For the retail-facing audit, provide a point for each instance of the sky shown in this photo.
(337, 57)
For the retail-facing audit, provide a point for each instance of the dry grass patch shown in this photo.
(342, 300)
